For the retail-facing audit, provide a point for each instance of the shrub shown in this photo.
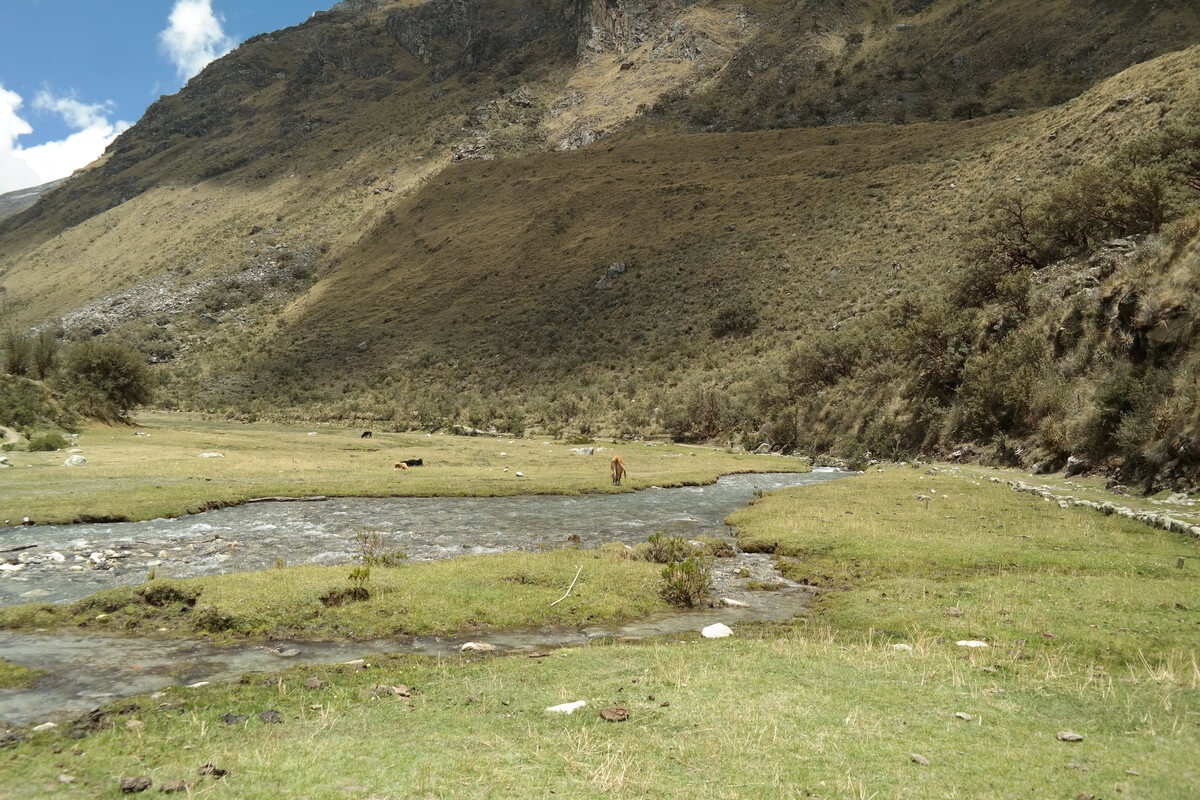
(667, 549)
(15, 348)
(687, 583)
(734, 318)
(106, 380)
(46, 442)
(372, 551)
(698, 411)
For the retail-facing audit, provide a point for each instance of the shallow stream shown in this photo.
(67, 562)
(86, 671)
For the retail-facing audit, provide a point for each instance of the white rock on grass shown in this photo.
(906, 648)
(567, 708)
(718, 630)
(478, 647)
(212, 455)
(971, 643)
(75, 461)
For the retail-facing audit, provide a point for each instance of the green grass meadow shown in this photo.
(1091, 628)
(162, 474)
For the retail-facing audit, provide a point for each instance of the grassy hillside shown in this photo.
(370, 215)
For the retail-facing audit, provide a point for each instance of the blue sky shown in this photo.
(74, 73)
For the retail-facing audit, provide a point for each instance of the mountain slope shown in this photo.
(383, 212)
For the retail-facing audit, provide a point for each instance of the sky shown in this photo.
(75, 73)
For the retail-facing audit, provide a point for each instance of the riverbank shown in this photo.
(469, 593)
(1087, 685)
(174, 464)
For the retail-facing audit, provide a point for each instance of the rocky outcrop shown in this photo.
(624, 25)
(1163, 522)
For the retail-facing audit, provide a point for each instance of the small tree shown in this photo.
(106, 380)
(43, 351)
(14, 346)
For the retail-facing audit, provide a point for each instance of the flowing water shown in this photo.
(85, 671)
(71, 561)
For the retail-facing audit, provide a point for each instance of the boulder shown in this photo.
(762, 449)
(614, 270)
(212, 455)
(584, 451)
(717, 630)
(75, 461)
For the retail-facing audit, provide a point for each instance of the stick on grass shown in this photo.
(569, 588)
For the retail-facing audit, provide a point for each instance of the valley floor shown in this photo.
(1088, 686)
(159, 468)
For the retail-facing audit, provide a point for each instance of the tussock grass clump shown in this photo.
(14, 676)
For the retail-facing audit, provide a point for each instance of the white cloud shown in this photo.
(30, 166)
(194, 37)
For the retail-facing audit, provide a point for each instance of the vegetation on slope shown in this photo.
(294, 234)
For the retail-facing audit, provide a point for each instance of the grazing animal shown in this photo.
(366, 435)
(401, 465)
(618, 470)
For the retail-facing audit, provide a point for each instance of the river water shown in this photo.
(71, 561)
(85, 671)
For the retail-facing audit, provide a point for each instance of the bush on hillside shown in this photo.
(105, 380)
(26, 404)
(15, 349)
(45, 442)
(734, 318)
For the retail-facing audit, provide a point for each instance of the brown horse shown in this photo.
(618, 470)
